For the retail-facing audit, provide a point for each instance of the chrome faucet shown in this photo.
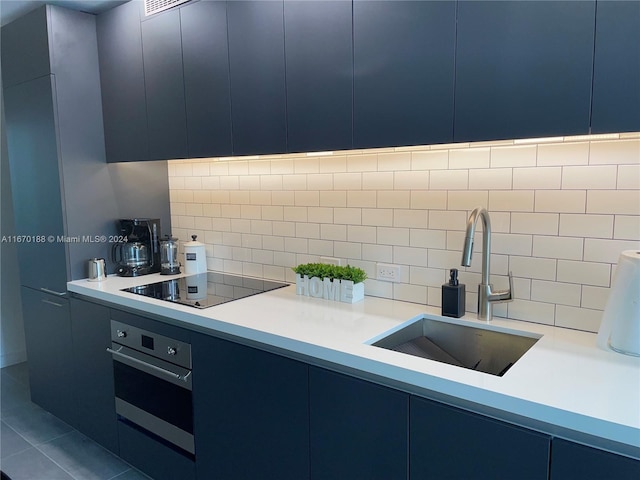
(486, 296)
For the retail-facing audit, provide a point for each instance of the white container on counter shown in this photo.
(195, 258)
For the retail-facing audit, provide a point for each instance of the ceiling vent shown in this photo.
(154, 6)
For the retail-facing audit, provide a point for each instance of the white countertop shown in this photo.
(563, 381)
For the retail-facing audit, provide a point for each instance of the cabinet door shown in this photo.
(251, 412)
(26, 34)
(47, 329)
(124, 108)
(523, 69)
(358, 429)
(571, 461)
(205, 53)
(256, 58)
(319, 60)
(164, 86)
(93, 370)
(450, 443)
(616, 76)
(403, 72)
(33, 155)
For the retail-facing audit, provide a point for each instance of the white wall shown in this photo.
(562, 210)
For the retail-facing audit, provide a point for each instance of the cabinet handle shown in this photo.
(52, 303)
(52, 292)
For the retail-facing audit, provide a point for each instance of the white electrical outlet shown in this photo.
(331, 260)
(387, 272)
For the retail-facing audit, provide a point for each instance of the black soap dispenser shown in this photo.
(453, 296)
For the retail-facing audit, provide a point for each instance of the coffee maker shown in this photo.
(138, 252)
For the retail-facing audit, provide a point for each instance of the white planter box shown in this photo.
(336, 290)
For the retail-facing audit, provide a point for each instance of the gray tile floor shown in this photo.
(35, 445)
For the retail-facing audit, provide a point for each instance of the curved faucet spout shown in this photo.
(486, 297)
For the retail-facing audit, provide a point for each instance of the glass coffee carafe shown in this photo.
(169, 264)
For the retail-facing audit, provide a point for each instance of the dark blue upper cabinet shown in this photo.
(164, 86)
(403, 72)
(124, 107)
(523, 69)
(616, 78)
(256, 58)
(206, 78)
(319, 61)
(29, 34)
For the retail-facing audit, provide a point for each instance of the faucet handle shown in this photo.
(503, 295)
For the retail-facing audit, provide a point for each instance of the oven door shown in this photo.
(154, 395)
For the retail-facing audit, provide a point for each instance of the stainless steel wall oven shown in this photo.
(152, 378)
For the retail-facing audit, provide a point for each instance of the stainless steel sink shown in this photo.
(483, 348)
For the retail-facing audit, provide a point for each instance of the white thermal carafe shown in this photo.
(195, 259)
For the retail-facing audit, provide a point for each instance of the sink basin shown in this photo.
(483, 348)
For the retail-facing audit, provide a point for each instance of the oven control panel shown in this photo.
(159, 346)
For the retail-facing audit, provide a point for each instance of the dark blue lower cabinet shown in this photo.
(358, 428)
(449, 443)
(251, 412)
(572, 461)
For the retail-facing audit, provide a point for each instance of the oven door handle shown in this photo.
(164, 371)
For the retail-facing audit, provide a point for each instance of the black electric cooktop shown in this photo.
(205, 289)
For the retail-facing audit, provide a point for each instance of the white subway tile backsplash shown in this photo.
(432, 160)
(393, 236)
(626, 227)
(391, 162)
(362, 198)
(628, 177)
(411, 180)
(537, 178)
(587, 226)
(592, 177)
(410, 218)
(556, 292)
(594, 297)
(467, 200)
(511, 201)
(449, 180)
(512, 244)
(569, 248)
(469, 158)
(561, 201)
(429, 200)
(377, 253)
(573, 153)
(377, 181)
(578, 318)
(410, 256)
(607, 251)
(533, 267)
(513, 156)
(362, 163)
(530, 311)
(491, 179)
(586, 273)
(617, 152)
(561, 213)
(625, 202)
(379, 217)
(394, 199)
(535, 223)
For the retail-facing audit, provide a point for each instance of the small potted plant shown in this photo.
(332, 282)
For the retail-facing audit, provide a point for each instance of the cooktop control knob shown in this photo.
(121, 334)
(171, 351)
